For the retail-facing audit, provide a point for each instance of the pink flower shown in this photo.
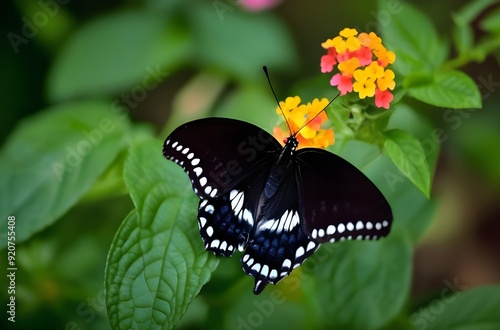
(383, 98)
(258, 5)
(343, 83)
(364, 55)
(328, 61)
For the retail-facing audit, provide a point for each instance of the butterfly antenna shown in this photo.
(276, 98)
(316, 115)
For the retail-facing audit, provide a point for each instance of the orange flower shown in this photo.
(312, 134)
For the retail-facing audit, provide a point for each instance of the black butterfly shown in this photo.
(275, 203)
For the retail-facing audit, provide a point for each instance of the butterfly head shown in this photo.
(291, 142)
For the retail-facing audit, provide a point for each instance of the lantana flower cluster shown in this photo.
(362, 60)
(311, 135)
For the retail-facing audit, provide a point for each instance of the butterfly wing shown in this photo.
(225, 222)
(339, 201)
(278, 244)
(226, 161)
(218, 153)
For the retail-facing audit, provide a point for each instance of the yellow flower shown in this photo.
(347, 32)
(364, 85)
(375, 71)
(332, 43)
(347, 67)
(386, 81)
(290, 104)
(312, 134)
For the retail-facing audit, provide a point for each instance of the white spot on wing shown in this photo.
(232, 194)
(264, 271)
(359, 225)
(268, 224)
(198, 171)
(195, 161)
(300, 252)
(237, 202)
(210, 209)
(330, 230)
(248, 217)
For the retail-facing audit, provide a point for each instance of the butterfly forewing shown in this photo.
(339, 201)
(217, 153)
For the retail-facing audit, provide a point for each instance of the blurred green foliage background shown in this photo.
(202, 68)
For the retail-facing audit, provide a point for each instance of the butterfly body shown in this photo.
(277, 204)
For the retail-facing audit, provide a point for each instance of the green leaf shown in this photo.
(408, 155)
(206, 88)
(451, 89)
(491, 22)
(410, 34)
(463, 36)
(52, 159)
(227, 40)
(412, 121)
(412, 211)
(362, 285)
(116, 52)
(251, 103)
(463, 18)
(475, 309)
(157, 263)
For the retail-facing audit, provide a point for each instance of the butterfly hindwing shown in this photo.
(338, 200)
(278, 245)
(218, 153)
(225, 222)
